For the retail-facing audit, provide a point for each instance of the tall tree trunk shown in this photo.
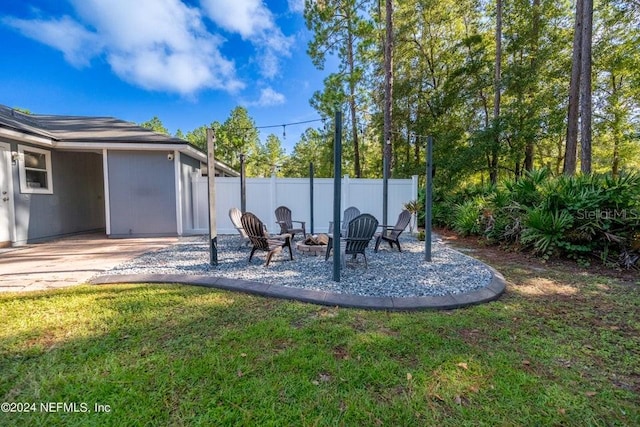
(352, 100)
(388, 85)
(585, 87)
(571, 148)
(529, 149)
(615, 165)
(495, 150)
(615, 127)
(529, 152)
(407, 148)
(559, 158)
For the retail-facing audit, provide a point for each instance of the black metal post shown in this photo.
(311, 193)
(211, 180)
(385, 189)
(243, 185)
(428, 200)
(337, 195)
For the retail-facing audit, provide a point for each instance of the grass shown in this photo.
(559, 348)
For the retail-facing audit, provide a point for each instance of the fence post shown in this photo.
(414, 195)
(346, 191)
(243, 185)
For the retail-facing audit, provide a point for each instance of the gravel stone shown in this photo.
(390, 273)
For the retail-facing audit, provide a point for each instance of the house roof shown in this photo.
(82, 128)
(68, 131)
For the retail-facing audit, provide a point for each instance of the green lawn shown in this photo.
(559, 348)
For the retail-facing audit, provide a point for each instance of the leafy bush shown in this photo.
(545, 230)
(467, 217)
(526, 190)
(577, 217)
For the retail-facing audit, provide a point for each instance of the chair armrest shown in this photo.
(282, 237)
(300, 222)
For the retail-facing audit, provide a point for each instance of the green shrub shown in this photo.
(506, 224)
(526, 190)
(467, 217)
(579, 217)
(544, 230)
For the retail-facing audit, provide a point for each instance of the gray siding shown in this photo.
(76, 205)
(142, 196)
(188, 166)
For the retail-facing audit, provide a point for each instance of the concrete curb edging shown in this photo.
(491, 292)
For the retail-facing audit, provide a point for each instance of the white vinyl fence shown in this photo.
(264, 195)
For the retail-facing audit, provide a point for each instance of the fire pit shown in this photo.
(315, 245)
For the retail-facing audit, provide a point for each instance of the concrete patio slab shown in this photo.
(68, 261)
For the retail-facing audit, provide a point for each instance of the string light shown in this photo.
(284, 126)
(289, 124)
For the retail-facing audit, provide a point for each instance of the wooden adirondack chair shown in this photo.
(391, 234)
(283, 219)
(349, 213)
(261, 240)
(235, 214)
(359, 233)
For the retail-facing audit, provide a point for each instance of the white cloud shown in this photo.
(249, 18)
(254, 22)
(296, 6)
(155, 44)
(77, 44)
(268, 98)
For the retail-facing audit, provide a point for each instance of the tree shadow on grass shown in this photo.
(170, 354)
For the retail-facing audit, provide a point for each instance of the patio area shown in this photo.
(68, 261)
(392, 280)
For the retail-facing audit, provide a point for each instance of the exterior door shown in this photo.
(6, 196)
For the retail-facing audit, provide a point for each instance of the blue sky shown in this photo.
(189, 62)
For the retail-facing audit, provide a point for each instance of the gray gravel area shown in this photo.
(389, 273)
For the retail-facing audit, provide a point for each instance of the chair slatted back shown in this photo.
(283, 216)
(360, 231)
(349, 214)
(401, 224)
(255, 230)
(235, 214)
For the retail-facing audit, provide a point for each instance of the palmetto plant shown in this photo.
(467, 216)
(413, 206)
(580, 216)
(544, 230)
(526, 190)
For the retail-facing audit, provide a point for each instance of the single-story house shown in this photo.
(62, 175)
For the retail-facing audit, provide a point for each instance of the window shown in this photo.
(35, 170)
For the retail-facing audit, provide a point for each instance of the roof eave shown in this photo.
(129, 146)
(22, 136)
